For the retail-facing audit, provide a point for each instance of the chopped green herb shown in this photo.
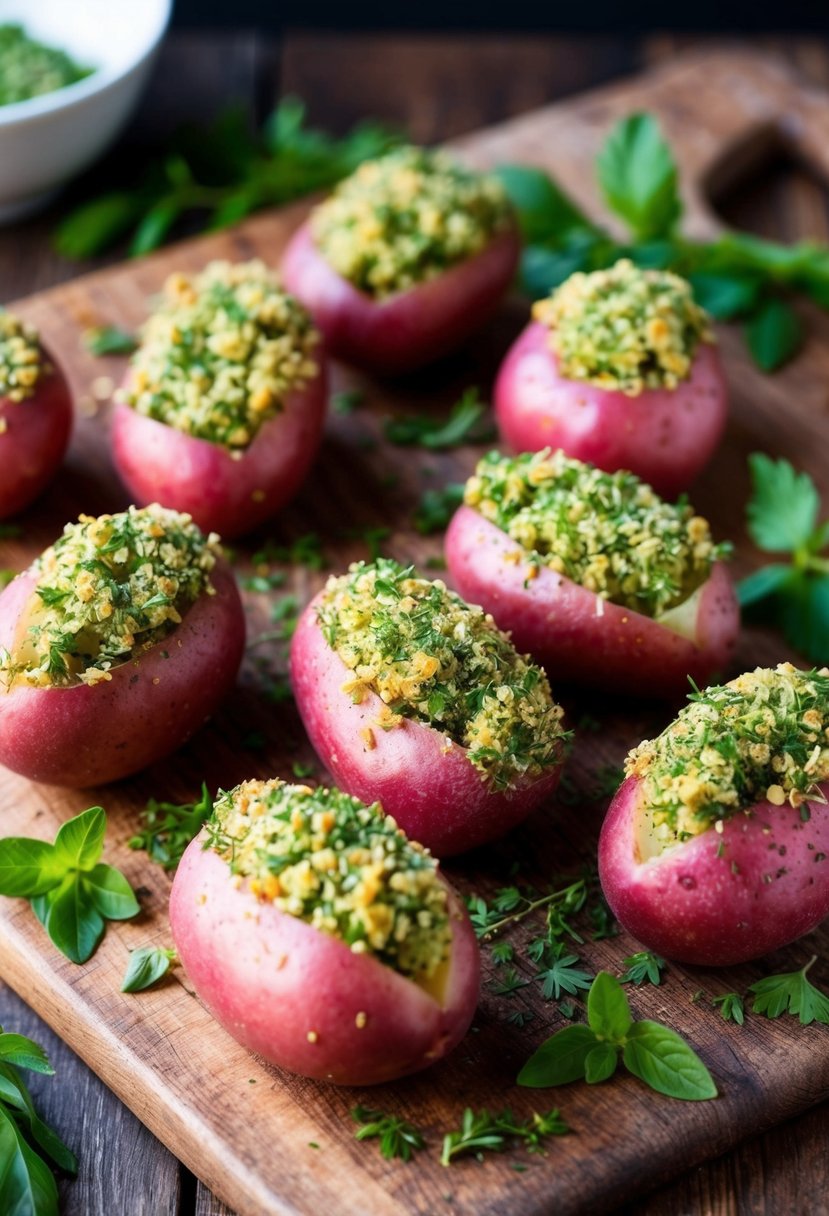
(509, 983)
(168, 828)
(482, 1132)
(29, 68)
(643, 966)
(466, 423)
(109, 340)
(397, 1137)
(300, 769)
(437, 507)
(731, 1007)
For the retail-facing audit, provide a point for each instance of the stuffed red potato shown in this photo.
(35, 416)
(618, 369)
(629, 595)
(222, 410)
(415, 699)
(715, 850)
(408, 257)
(321, 938)
(115, 647)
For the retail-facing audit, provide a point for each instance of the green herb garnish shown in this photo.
(643, 966)
(466, 423)
(168, 828)
(146, 967)
(29, 68)
(397, 1137)
(731, 1007)
(482, 1132)
(654, 1053)
(109, 340)
(792, 993)
(437, 507)
(72, 892)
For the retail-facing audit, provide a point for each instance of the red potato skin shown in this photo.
(411, 328)
(723, 898)
(556, 620)
(34, 441)
(92, 734)
(665, 436)
(271, 979)
(424, 781)
(158, 463)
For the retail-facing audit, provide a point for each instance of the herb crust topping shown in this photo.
(21, 358)
(107, 590)
(625, 328)
(763, 736)
(405, 217)
(339, 865)
(432, 657)
(609, 532)
(221, 352)
(30, 69)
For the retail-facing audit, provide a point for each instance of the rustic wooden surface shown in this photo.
(754, 1178)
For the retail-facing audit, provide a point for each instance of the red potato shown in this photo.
(410, 328)
(92, 734)
(272, 980)
(718, 898)
(425, 781)
(665, 436)
(575, 635)
(224, 493)
(34, 434)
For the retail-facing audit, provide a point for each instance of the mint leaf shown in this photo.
(110, 893)
(544, 211)
(24, 1053)
(783, 510)
(664, 1061)
(80, 841)
(774, 334)
(146, 967)
(74, 926)
(608, 1011)
(559, 1060)
(28, 867)
(27, 1185)
(600, 1063)
(791, 992)
(638, 176)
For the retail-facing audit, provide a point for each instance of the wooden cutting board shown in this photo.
(266, 1142)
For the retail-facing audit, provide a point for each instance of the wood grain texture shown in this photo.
(160, 1051)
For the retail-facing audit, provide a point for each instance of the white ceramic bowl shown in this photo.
(48, 139)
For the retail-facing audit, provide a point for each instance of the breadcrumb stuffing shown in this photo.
(625, 328)
(405, 217)
(762, 736)
(22, 362)
(609, 532)
(339, 865)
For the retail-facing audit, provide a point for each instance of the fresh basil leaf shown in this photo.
(544, 211)
(783, 509)
(27, 1185)
(774, 334)
(762, 583)
(12, 1090)
(725, 295)
(146, 966)
(24, 1053)
(110, 893)
(80, 841)
(662, 1059)
(608, 1011)
(93, 226)
(28, 867)
(600, 1063)
(52, 1144)
(74, 926)
(560, 1059)
(638, 176)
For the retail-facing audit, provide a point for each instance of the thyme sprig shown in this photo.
(482, 1131)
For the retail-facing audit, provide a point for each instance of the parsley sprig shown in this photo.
(737, 276)
(783, 518)
(791, 992)
(72, 892)
(481, 1132)
(397, 1137)
(168, 828)
(466, 423)
(27, 1184)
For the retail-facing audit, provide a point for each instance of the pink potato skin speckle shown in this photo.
(719, 899)
(411, 328)
(271, 979)
(92, 734)
(665, 436)
(426, 782)
(34, 440)
(224, 494)
(577, 637)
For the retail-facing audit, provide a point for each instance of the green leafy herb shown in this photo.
(654, 1053)
(71, 891)
(306, 551)
(397, 1137)
(109, 340)
(437, 507)
(638, 176)
(220, 173)
(168, 828)
(502, 952)
(509, 906)
(792, 993)
(347, 401)
(774, 334)
(783, 518)
(301, 769)
(731, 1007)
(482, 1132)
(560, 975)
(146, 967)
(509, 983)
(466, 424)
(643, 966)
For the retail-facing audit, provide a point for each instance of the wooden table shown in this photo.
(436, 87)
